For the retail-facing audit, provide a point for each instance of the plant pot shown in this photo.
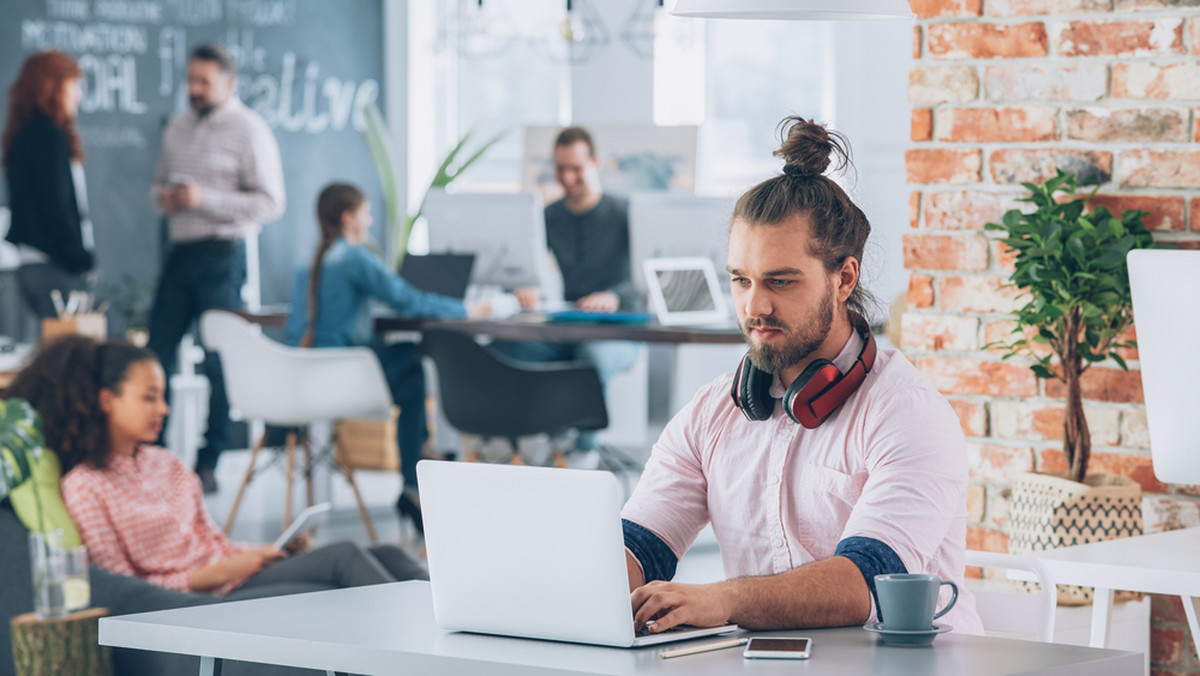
(1050, 511)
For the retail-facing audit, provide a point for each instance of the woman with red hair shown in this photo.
(43, 162)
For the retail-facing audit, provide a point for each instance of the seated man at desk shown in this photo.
(588, 232)
(831, 462)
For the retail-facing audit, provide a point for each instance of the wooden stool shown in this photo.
(60, 645)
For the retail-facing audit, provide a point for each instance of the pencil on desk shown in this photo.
(696, 649)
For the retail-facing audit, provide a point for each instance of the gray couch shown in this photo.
(121, 595)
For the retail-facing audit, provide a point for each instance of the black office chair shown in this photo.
(488, 395)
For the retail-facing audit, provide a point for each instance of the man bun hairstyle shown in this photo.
(839, 228)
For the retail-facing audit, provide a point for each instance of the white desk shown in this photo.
(389, 629)
(1162, 563)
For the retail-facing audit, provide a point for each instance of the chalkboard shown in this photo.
(307, 66)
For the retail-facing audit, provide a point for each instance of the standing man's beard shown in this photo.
(798, 344)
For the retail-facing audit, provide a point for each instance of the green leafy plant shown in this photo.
(1071, 265)
(20, 447)
(379, 142)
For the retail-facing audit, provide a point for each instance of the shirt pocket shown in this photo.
(826, 488)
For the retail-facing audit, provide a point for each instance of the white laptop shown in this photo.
(1166, 314)
(685, 292)
(535, 552)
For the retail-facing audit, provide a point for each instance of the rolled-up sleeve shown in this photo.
(917, 477)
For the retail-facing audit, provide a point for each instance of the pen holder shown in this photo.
(91, 324)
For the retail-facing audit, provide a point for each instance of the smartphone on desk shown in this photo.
(778, 648)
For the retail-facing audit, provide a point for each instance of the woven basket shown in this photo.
(1051, 511)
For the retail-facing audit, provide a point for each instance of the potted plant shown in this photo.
(1070, 266)
(20, 450)
(379, 142)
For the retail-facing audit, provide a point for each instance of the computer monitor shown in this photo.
(663, 225)
(505, 231)
(1167, 316)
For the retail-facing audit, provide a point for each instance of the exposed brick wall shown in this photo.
(1006, 91)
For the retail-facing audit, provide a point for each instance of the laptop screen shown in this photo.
(446, 274)
(684, 291)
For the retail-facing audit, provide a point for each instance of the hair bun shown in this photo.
(808, 147)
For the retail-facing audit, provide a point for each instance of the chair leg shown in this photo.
(308, 469)
(362, 508)
(291, 468)
(237, 501)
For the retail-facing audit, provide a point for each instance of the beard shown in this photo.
(798, 343)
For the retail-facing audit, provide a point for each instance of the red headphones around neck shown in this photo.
(812, 397)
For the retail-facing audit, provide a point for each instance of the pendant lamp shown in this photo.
(795, 10)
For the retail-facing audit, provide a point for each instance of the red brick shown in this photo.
(978, 293)
(1155, 671)
(1165, 608)
(1197, 118)
(997, 464)
(1023, 82)
(966, 210)
(1166, 646)
(1158, 37)
(999, 506)
(1194, 210)
(921, 124)
(1136, 467)
(914, 209)
(1021, 165)
(987, 539)
(1134, 433)
(943, 165)
(1035, 7)
(1194, 30)
(976, 376)
(1140, 468)
(1166, 211)
(916, 42)
(1141, 80)
(987, 40)
(1104, 384)
(1003, 331)
(1152, 5)
(930, 332)
(1042, 422)
(1004, 256)
(997, 125)
(932, 85)
(945, 252)
(1159, 168)
(929, 9)
(972, 417)
(1131, 125)
(976, 502)
(920, 291)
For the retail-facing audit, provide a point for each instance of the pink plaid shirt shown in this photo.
(890, 464)
(145, 516)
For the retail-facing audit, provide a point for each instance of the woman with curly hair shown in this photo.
(139, 510)
(43, 162)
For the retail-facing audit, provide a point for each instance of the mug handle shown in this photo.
(953, 599)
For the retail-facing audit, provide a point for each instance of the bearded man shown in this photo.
(822, 461)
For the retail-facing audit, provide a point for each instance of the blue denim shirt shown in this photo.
(350, 276)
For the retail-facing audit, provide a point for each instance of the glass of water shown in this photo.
(77, 591)
(48, 565)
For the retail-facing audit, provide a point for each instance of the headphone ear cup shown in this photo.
(811, 382)
(752, 391)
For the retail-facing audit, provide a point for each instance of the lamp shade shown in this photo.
(795, 10)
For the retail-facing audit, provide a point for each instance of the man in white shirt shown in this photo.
(219, 178)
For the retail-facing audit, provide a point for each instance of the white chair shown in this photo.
(1011, 613)
(293, 387)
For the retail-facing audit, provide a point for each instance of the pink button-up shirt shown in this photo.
(890, 464)
(144, 516)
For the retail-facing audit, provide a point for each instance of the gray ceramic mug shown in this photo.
(907, 600)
